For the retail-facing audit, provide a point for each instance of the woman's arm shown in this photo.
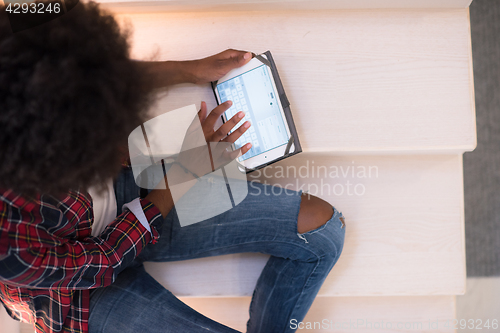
(40, 249)
(166, 73)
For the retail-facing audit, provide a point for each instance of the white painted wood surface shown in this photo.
(363, 81)
(26, 328)
(347, 314)
(231, 5)
(418, 313)
(7, 324)
(404, 231)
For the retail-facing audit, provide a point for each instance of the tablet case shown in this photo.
(294, 138)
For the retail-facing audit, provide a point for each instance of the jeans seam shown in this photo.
(239, 244)
(274, 287)
(297, 214)
(302, 292)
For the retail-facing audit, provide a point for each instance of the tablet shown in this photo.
(256, 90)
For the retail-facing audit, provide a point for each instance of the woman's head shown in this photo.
(69, 97)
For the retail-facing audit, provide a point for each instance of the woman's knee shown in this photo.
(321, 227)
(313, 213)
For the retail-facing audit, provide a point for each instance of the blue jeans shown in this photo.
(265, 222)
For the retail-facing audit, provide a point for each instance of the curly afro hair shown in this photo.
(69, 97)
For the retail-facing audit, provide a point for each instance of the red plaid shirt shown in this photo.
(49, 260)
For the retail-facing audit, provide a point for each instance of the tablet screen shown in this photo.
(253, 93)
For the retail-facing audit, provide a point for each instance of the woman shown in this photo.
(69, 97)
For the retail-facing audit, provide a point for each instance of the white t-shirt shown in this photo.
(104, 206)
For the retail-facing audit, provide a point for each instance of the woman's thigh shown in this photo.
(265, 221)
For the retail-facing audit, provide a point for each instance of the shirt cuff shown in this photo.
(136, 208)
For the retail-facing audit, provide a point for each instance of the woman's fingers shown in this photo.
(222, 156)
(245, 149)
(227, 126)
(237, 133)
(221, 135)
(202, 114)
(209, 123)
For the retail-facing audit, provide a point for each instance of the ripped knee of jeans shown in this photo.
(336, 224)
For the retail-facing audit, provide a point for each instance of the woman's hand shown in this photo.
(215, 67)
(217, 152)
(222, 133)
(197, 160)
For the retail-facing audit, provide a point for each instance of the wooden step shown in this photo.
(404, 235)
(7, 324)
(268, 5)
(347, 314)
(433, 314)
(357, 80)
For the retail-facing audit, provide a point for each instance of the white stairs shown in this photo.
(383, 85)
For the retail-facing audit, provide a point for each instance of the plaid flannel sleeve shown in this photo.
(39, 248)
